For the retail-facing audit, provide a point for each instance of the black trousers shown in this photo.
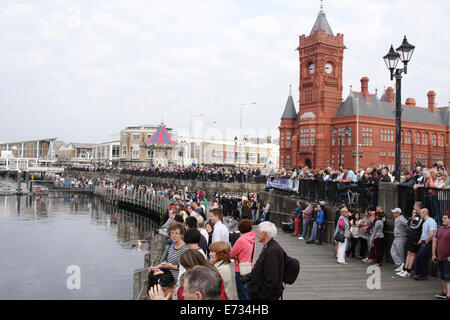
(362, 247)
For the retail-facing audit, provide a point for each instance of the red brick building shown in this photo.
(307, 138)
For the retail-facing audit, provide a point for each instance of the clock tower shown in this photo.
(321, 55)
(320, 91)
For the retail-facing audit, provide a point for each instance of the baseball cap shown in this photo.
(397, 210)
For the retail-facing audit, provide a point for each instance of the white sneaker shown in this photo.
(400, 268)
(301, 238)
(400, 273)
(405, 274)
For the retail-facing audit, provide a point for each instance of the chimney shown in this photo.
(365, 88)
(411, 102)
(390, 95)
(431, 100)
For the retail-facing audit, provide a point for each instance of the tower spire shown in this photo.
(321, 22)
(290, 90)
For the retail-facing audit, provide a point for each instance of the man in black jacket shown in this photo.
(407, 193)
(267, 275)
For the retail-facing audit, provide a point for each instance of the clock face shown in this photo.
(328, 68)
(311, 68)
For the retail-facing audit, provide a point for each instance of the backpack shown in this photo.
(291, 269)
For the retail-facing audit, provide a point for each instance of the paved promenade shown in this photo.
(321, 278)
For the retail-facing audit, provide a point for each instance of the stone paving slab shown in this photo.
(322, 278)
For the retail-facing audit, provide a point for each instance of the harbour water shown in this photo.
(43, 238)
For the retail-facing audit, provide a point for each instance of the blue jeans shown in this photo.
(305, 227)
(435, 209)
(254, 212)
(422, 259)
(241, 288)
(313, 232)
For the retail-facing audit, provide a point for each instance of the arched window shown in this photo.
(433, 139)
(441, 140)
(417, 138)
(425, 138)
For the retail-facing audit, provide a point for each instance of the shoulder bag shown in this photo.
(340, 236)
(245, 268)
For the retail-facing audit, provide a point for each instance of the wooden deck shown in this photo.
(321, 278)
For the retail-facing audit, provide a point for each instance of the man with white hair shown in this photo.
(267, 275)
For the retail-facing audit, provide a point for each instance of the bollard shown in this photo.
(19, 189)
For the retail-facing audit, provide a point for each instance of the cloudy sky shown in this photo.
(82, 70)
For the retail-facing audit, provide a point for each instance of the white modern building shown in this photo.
(252, 151)
(107, 153)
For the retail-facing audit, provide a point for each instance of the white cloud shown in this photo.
(133, 62)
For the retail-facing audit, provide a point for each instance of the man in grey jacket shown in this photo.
(398, 253)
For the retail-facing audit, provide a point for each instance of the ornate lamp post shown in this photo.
(240, 129)
(404, 53)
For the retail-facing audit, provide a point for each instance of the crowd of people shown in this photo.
(369, 174)
(361, 235)
(204, 243)
(427, 185)
(243, 174)
(197, 263)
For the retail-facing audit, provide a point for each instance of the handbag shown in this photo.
(245, 268)
(339, 237)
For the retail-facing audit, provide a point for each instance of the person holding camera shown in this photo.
(161, 284)
(171, 260)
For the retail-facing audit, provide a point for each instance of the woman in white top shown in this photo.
(343, 226)
(355, 232)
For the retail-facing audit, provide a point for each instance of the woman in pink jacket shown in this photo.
(243, 251)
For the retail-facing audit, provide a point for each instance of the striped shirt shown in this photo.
(174, 257)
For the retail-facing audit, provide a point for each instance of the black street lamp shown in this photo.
(340, 136)
(403, 53)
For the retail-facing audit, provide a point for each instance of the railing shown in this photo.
(23, 164)
(73, 187)
(138, 198)
(355, 195)
(436, 200)
(13, 164)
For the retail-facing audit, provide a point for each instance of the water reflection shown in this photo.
(41, 236)
(133, 231)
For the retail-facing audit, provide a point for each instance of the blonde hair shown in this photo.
(200, 221)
